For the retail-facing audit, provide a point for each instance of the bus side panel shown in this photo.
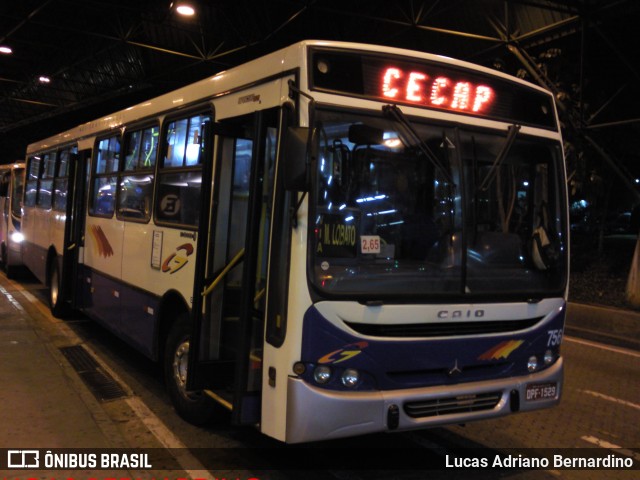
(57, 221)
(43, 230)
(12, 250)
(35, 256)
(4, 225)
(13, 225)
(102, 272)
(103, 246)
(102, 299)
(138, 321)
(5, 228)
(155, 260)
(158, 259)
(125, 310)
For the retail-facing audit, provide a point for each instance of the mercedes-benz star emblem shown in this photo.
(455, 370)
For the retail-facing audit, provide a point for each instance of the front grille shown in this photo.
(441, 375)
(442, 329)
(452, 405)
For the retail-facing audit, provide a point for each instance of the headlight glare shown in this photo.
(322, 374)
(350, 378)
(549, 357)
(532, 364)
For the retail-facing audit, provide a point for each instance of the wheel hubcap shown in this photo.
(180, 361)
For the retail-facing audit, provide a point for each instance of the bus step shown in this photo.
(222, 397)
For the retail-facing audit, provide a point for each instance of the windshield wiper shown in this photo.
(511, 136)
(411, 137)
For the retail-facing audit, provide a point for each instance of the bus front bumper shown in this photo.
(318, 414)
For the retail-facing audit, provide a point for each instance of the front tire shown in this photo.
(194, 407)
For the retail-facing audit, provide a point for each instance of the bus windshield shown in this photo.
(448, 211)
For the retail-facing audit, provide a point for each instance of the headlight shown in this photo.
(350, 378)
(322, 374)
(532, 364)
(17, 237)
(549, 357)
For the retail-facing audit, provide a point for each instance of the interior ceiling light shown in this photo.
(185, 9)
(5, 49)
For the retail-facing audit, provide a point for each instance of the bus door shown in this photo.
(74, 227)
(229, 315)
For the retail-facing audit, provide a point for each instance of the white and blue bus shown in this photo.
(331, 240)
(11, 185)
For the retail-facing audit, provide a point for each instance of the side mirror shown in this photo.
(296, 159)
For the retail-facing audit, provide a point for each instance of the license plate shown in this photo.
(541, 391)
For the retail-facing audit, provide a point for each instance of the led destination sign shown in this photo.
(431, 85)
(440, 92)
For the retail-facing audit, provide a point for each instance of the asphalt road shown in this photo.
(599, 411)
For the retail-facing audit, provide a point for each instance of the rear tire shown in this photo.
(59, 308)
(194, 407)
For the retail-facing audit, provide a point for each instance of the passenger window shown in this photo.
(61, 182)
(108, 155)
(180, 177)
(45, 187)
(4, 184)
(18, 188)
(136, 182)
(33, 174)
(141, 149)
(184, 142)
(134, 201)
(104, 182)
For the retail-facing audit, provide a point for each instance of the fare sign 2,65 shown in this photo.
(370, 244)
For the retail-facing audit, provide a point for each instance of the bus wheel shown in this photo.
(194, 407)
(56, 300)
(9, 270)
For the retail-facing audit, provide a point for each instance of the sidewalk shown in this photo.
(43, 403)
(46, 406)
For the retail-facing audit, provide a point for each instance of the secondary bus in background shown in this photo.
(331, 240)
(11, 185)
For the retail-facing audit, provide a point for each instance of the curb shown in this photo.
(604, 324)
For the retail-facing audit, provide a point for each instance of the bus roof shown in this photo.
(13, 165)
(288, 58)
